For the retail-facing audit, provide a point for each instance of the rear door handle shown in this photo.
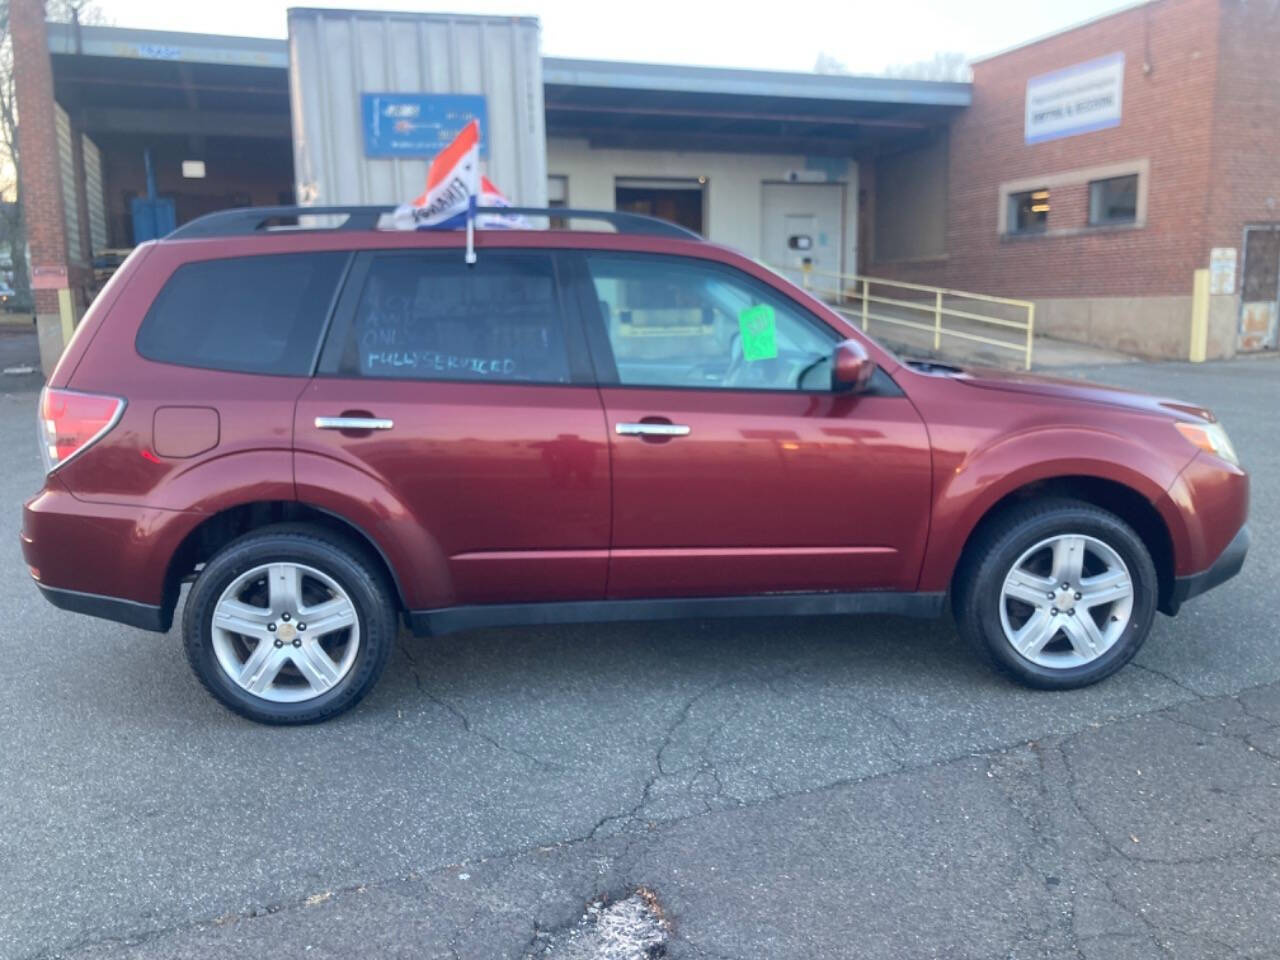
(651, 430)
(354, 423)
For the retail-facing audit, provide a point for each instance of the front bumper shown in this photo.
(1224, 568)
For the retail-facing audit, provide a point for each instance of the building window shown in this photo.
(558, 196)
(1029, 211)
(678, 200)
(1114, 200)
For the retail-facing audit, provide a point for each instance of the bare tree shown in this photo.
(10, 186)
(827, 64)
(948, 65)
(62, 11)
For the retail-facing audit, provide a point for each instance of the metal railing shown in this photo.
(859, 298)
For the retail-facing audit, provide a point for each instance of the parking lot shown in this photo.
(812, 788)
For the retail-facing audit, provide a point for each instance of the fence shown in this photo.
(932, 310)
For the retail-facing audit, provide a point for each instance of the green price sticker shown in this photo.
(759, 332)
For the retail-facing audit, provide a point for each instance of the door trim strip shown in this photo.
(454, 619)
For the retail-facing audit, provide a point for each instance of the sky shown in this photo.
(866, 35)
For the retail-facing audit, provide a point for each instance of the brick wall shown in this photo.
(1244, 180)
(1171, 50)
(38, 144)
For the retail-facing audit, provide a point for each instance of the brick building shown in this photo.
(1121, 174)
(1104, 228)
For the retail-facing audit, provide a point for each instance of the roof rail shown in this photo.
(248, 220)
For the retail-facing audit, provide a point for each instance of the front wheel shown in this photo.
(1057, 593)
(289, 625)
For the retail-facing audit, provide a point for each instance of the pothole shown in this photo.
(634, 928)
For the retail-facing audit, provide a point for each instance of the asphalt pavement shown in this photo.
(821, 788)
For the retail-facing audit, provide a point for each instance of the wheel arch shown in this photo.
(1127, 503)
(218, 529)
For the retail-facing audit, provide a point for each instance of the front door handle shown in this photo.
(354, 423)
(651, 430)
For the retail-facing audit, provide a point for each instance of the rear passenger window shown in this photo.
(243, 314)
(429, 316)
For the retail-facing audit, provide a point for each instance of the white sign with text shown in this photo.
(1076, 99)
(1222, 270)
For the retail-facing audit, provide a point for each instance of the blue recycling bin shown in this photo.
(152, 218)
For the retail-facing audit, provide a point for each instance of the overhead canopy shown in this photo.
(641, 105)
(167, 83)
(157, 82)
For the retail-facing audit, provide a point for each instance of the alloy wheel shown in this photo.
(1066, 601)
(285, 632)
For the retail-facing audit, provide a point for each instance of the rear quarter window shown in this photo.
(260, 314)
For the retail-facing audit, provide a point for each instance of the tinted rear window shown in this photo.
(243, 314)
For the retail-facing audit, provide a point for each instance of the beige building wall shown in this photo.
(911, 203)
(733, 196)
(1158, 327)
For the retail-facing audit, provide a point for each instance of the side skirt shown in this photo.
(454, 619)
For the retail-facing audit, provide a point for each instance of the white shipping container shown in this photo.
(336, 56)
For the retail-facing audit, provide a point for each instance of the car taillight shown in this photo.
(71, 422)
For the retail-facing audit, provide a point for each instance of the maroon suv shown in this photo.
(325, 431)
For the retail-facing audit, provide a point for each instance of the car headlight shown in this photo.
(1211, 438)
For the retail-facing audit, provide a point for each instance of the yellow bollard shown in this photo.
(1199, 316)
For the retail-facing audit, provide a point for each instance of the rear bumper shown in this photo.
(105, 560)
(1223, 569)
(142, 615)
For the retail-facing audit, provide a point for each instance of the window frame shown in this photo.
(330, 356)
(1013, 199)
(583, 289)
(322, 330)
(1115, 221)
(1079, 177)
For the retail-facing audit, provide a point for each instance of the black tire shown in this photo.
(347, 563)
(997, 545)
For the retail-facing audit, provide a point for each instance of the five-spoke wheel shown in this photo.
(1057, 593)
(1066, 601)
(290, 624)
(285, 632)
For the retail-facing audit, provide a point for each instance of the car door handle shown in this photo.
(651, 430)
(354, 423)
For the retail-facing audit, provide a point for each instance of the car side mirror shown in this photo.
(851, 367)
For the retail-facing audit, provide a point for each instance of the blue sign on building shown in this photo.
(418, 124)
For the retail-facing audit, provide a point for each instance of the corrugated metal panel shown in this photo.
(94, 194)
(67, 170)
(336, 55)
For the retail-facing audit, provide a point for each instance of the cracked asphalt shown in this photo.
(822, 788)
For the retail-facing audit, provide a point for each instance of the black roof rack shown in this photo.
(248, 220)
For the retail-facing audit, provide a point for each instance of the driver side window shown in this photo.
(678, 323)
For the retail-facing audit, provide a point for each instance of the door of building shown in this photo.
(803, 224)
(682, 201)
(1260, 291)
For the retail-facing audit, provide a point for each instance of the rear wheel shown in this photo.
(1057, 593)
(289, 625)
